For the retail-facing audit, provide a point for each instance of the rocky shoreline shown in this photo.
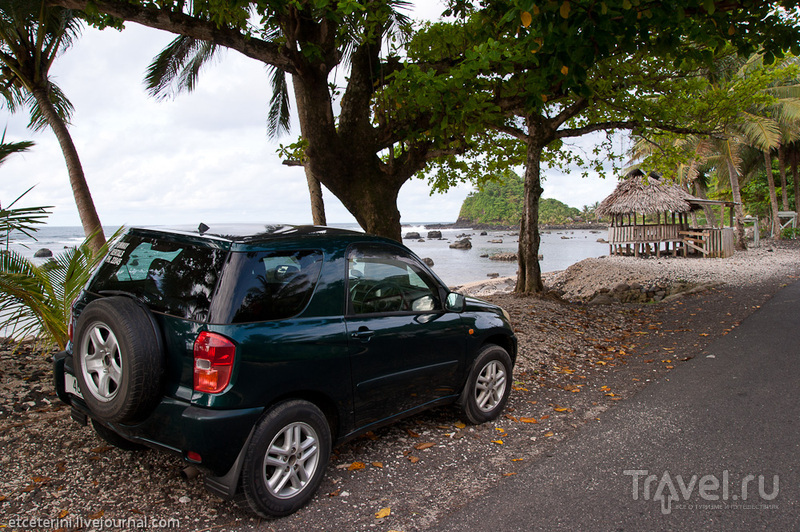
(617, 279)
(462, 224)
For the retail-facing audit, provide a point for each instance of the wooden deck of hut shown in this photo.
(636, 198)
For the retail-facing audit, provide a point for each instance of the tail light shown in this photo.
(213, 362)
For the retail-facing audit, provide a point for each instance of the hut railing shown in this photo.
(716, 242)
(632, 234)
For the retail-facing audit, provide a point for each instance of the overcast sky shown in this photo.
(203, 156)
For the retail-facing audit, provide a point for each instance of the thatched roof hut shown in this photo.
(651, 195)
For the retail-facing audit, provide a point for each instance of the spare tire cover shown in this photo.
(118, 360)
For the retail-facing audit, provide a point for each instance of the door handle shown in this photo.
(363, 334)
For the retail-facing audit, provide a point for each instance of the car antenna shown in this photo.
(202, 228)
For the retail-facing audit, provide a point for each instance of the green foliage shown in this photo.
(35, 300)
(790, 232)
(499, 202)
(21, 219)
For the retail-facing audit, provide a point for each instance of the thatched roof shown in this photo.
(633, 195)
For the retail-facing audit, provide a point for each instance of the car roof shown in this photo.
(251, 233)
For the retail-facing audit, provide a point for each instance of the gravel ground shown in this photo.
(575, 362)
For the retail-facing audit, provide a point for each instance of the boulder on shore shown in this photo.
(434, 234)
(43, 254)
(414, 236)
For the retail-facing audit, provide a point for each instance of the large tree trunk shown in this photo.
(317, 203)
(350, 170)
(80, 189)
(773, 197)
(741, 242)
(782, 170)
(529, 276)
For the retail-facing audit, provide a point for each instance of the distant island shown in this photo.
(498, 205)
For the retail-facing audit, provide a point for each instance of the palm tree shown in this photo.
(32, 35)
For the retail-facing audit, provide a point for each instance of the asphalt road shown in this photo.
(713, 446)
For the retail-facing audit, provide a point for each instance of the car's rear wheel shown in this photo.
(486, 392)
(286, 458)
(118, 359)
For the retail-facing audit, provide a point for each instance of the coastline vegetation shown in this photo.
(499, 202)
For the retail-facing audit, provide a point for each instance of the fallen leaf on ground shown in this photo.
(356, 466)
(423, 446)
(377, 464)
(498, 442)
(548, 434)
(459, 425)
(412, 433)
(413, 459)
(528, 420)
(386, 512)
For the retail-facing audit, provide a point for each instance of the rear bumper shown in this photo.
(177, 426)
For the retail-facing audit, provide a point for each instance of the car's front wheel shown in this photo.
(286, 458)
(486, 392)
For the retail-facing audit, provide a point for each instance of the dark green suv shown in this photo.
(251, 351)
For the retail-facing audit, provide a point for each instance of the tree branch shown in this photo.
(182, 24)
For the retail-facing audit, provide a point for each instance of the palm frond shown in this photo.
(279, 109)
(8, 149)
(63, 107)
(761, 132)
(35, 300)
(177, 67)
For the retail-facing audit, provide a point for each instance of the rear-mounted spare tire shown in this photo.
(118, 360)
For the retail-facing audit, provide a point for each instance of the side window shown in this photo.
(385, 280)
(264, 286)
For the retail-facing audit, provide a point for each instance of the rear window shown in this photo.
(169, 277)
(265, 286)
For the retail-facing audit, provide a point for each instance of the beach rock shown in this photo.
(492, 275)
(621, 287)
(505, 257)
(602, 240)
(461, 244)
(602, 299)
(412, 236)
(496, 241)
(421, 240)
(43, 253)
(484, 233)
(428, 261)
(434, 234)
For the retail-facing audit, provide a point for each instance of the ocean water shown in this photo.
(560, 249)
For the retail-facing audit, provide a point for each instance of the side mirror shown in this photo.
(455, 302)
